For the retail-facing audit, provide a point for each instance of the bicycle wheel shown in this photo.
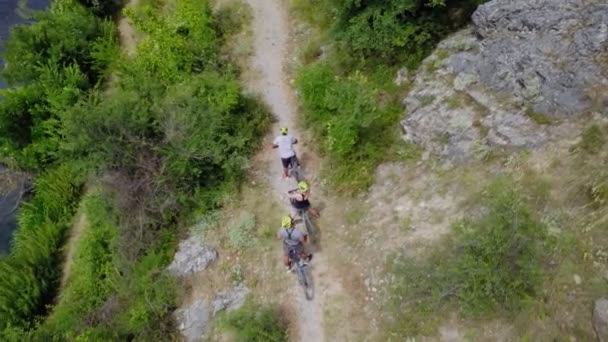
(310, 228)
(306, 282)
(297, 174)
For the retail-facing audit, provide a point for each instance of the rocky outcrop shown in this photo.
(193, 321)
(600, 319)
(191, 257)
(230, 300)
(524, 66)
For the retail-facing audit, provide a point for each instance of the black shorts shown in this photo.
(287, 161)
(300, 205)
(298, 248)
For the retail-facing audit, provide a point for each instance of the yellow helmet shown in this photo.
(303, 186)
(284, 130)
(286, 222)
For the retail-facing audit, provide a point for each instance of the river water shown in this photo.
(10, 195)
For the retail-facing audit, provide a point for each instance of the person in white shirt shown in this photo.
(284, 143)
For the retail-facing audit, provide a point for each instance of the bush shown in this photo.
(499, 264)
(390, 29)
(173, 129)
(93, 274)
(52, 63)
(29, 275)
(255, 323)
(354, 130)
(493, 263)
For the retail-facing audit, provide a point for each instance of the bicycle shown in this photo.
(295, 170)
(303, 213)
(303, 273)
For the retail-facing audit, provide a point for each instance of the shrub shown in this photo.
(389, 29)
(52, 63)
(353, 129)
(255, 323)
(28, 276)
(93, 272)
(499, 264)
(493, 263)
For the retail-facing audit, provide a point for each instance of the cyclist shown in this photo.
(293, 239)
(284, 143)
(300, 200)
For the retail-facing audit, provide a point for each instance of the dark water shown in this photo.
(9, 198)
(9, 17)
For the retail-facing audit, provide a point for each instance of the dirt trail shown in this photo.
(76, 232)
(128, 34)
(271, 53)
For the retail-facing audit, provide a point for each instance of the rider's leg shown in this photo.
(314, 212)
(285, 162)
(286, 257)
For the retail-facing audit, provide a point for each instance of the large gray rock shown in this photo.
(231, 300)
(191, 257)
(524, 66)
(543, 51)
(600, 319)
(193, 321)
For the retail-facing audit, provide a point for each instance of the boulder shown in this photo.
(543, 51)
(193, 321)
(230, 300)
(507, 82)
(600, 319)
(192, 256)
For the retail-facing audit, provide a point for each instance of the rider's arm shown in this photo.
(294, 141)
(296, 196)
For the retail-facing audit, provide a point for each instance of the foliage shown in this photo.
(28, 276)
(255, 323)
(389, 28)
(353, 128)
(350, 99)
(51, 63)
(173, 129)
(494, 263)
(92, 274)
(105, 297)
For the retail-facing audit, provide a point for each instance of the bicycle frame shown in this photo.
(302, 273)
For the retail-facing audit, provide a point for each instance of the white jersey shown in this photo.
(285, 143)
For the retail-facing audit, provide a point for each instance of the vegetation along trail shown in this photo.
(271, 52)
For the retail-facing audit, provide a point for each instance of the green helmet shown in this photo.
(286, 222)
(303, 186)
(284, 130)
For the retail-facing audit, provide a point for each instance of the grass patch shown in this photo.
(241, 231)
(427, 100)
(592, 139)
(538, 117)
(255, 323)
(492, 264)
